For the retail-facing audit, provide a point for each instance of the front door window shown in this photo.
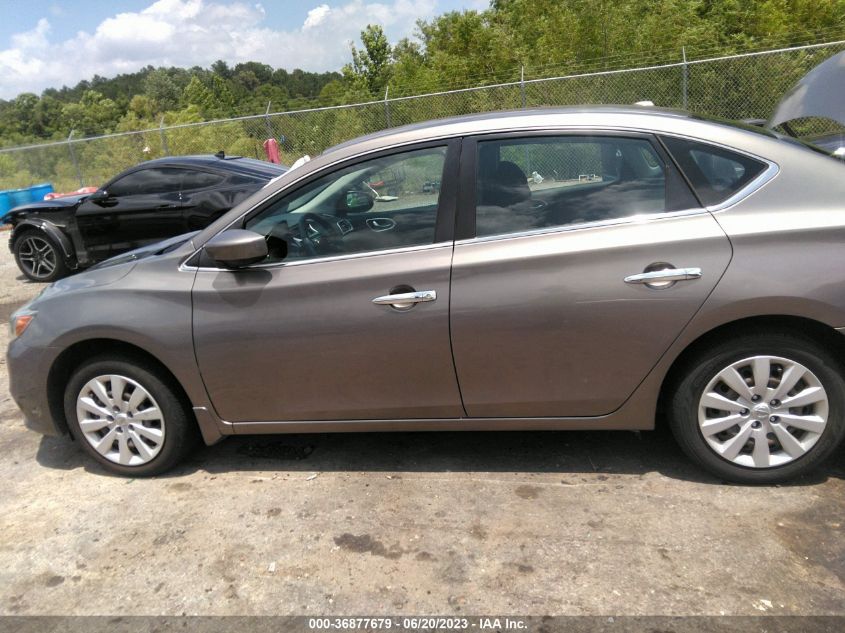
(383, 203)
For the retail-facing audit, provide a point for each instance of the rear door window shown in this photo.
(715, 173)
(525, 184)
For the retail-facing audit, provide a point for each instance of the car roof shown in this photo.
(510, 119)
(236, 164)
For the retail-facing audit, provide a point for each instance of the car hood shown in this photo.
(57, 204)
(145, 251)
(819, 93)
(108, 271)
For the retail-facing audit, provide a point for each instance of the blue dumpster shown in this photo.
(5, 203)
(20, 196)
(41, 190)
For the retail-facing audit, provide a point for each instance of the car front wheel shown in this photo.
(760, 409)
(128, 417)
(38, 257)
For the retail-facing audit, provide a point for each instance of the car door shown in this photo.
(141, 207)
(316, 331)
(551, 312)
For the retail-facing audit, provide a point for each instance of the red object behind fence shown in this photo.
(271, 148)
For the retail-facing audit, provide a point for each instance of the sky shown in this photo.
(51, 43)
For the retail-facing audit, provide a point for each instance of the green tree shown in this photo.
(196, 94)
(162, 90)
(370, 67)
(222, 99)
(94, 114)
(221, 68)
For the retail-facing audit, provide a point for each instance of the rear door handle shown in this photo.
(666, 275)
(406, 300)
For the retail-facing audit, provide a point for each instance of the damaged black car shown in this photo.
(150, 202)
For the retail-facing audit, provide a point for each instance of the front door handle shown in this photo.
(406, 300)
(664, 277)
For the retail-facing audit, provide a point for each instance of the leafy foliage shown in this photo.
(138, 100)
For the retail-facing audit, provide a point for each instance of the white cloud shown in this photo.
(34, 39)
(198, 32)
(315, 16)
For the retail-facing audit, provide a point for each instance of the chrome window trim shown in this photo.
(772, 169)
(633, 219)
(765, 177)
(315, 260)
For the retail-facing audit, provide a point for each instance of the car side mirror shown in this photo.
(236, 248)
(101, 195)
(355, 201)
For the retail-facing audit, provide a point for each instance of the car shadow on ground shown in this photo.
(573, 453)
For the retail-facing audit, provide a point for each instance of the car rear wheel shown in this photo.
(761, 408)
(127, 417)
(38, 257)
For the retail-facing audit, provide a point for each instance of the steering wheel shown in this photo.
(317, 233)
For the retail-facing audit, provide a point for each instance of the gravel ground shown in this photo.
(463, 523)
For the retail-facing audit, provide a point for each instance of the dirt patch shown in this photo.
(478, 532)
(54, 581)
(528, 492)
(816, 535)
(364, 544)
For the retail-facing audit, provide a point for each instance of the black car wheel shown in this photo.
(760, 409)
(38, 257)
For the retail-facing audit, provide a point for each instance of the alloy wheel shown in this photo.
(120, 419)
(38, 256)
(763, 411)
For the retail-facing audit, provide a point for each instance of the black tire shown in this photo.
(181, 433)
(22, 247)
(684, 401)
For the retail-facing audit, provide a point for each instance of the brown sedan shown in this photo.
(544, 269)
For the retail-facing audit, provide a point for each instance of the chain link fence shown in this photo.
(733, 87)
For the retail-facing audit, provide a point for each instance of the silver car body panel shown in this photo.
(784, 237)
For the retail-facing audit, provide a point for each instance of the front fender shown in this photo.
(53, 231)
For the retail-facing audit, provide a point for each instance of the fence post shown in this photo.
(73, 158)
(164, 147)
(267, 120)
(522, 84)
(387, 106)
(685, 80)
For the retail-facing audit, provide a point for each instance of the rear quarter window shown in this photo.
(715, 173)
